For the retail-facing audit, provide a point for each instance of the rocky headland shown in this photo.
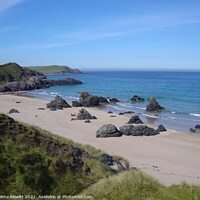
(16, 78)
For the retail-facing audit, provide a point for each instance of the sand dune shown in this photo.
(171, 157)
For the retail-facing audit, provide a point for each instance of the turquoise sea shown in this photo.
(178, 92)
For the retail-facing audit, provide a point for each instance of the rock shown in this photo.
(154, 106)
(110, 112)
(121, 113)
(41, 108)
(112, 115)
(135, 120)
(144, 130)
(106, 159)
(128, 112)
(150, 131)
(13, 111)
(76, 104)
(88, 100)
(87, 121)
(126, 130)
(108, 130)
(197, 126)
(136, 98)
(84, 115)
(103, 100)
(192, 130)
(161, 128)
(196, 129)
(58, 103)
(113, 100)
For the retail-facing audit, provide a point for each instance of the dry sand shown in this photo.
(171, 157)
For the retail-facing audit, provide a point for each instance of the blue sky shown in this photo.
(101, 34)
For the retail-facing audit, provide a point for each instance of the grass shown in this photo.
(132, 185)
(52, 69)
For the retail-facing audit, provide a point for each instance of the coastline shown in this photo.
(171, 157)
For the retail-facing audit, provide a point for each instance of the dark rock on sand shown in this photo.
(110, 112)
(121, 113)
(113, 100)
(135, 120)
(58, 103)
(126, 130)
(84, 115)
(108, 130)
(13, 111)
(76, 104)
(161, 128)
(137, 130)
(154, 106)
(196, 129)
(136, 98)
(144, 130)
(88, 100)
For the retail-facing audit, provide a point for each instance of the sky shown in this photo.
(101, 34)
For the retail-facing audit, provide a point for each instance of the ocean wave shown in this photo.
(115, 107)
(42, 93)
(152, 116)
(194, 114)
(124, 105)
(173, 112)
(141, 108)
(180, 118)
(54, 93)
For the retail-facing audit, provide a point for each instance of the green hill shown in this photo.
(13, 72)
(52, 69)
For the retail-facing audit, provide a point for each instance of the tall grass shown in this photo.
(132, 185)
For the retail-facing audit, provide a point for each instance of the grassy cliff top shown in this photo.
(14, 72)
(51, 69)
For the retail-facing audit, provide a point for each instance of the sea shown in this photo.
(178, 92)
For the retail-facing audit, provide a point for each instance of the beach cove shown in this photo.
(171, 157)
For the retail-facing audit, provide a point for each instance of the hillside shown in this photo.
(54, 69)
(16, 78)
(13, 72)
(34, 162)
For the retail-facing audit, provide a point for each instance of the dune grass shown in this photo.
(131, 185)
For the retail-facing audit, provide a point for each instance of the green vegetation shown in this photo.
(52, 69)
(139, 186)
(34, 161)
(11, 72)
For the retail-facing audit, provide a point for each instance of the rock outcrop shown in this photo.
(15, 78)
(58, 103)
(135, 120)
(108, 130)
(76, 104)
(154, 106)
(88, 100)
(13, 111)
(138, 130)
(84, 115)
(113, 100)
(161, 128)
(103, 100)
(136, 98)
(196, 129)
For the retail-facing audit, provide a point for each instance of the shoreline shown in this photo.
(171, 157)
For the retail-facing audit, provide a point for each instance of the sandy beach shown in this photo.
(171, 157)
